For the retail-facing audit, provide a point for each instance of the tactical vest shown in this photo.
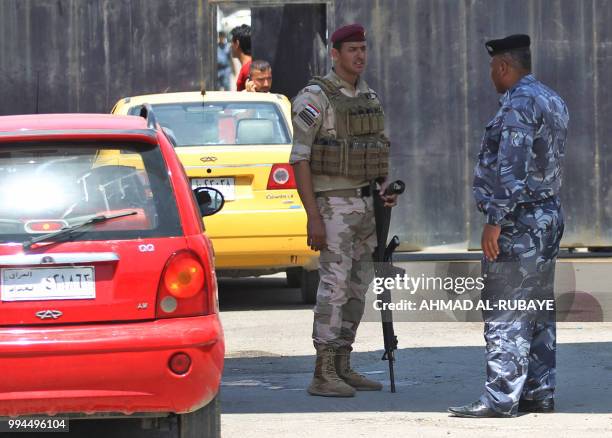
(359, 149)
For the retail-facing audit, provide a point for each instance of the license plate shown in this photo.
(34, 284)
(224, 185)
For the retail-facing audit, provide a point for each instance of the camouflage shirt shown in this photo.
(520, 159)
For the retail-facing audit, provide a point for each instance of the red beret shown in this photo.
(349, 34)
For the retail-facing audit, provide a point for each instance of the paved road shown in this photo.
(270, 360)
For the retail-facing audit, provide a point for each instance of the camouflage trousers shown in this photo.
(521, 344)
(345, 269)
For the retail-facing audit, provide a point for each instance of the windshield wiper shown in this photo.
(69, 230)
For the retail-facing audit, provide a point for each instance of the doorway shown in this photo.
(291, 36)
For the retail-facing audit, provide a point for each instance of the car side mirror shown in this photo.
(209, 200)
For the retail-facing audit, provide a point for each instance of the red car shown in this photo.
(108, 295)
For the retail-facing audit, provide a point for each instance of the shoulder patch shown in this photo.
(309, 115)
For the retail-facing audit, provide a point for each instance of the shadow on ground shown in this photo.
(427, 379)
(262, 293)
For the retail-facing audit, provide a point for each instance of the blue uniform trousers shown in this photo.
(521, 342)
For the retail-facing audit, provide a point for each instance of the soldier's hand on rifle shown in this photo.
(317, 239)
(390, 200)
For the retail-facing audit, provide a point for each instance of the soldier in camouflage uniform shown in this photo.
(338, 150)
(516, 185)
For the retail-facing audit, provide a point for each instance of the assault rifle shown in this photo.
(383, 267)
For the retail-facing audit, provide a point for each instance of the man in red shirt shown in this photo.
(241, 49)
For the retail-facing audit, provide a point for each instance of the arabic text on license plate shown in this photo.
(224, 185)
(33, 284)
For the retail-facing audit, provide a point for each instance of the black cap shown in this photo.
(519, 41)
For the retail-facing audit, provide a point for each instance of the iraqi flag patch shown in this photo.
(309, 115)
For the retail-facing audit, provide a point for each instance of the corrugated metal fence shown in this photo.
(86, 54)
(429, 64)
(427, 61)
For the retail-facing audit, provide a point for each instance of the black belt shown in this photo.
(537, 202)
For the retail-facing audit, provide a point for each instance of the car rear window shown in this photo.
(222, 123)
(47, 186)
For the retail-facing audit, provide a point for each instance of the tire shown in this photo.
(203, 423)
(309, 286)
(294, 277)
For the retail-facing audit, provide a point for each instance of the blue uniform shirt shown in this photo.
(522, 150)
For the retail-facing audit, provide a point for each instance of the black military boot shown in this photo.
(476, 410)
(540, 406)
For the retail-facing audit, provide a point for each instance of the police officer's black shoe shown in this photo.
(541, 406)
(476, 410)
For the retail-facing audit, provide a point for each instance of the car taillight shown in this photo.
(182, 289)
(281, 177)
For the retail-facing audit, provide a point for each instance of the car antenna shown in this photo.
(37, 88)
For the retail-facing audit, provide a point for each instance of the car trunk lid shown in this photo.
(75, 282)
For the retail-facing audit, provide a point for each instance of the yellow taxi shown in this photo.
(239, 143)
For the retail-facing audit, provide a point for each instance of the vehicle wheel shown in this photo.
(294, 277)
(309, 286)
(203, 423)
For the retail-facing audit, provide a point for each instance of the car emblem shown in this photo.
(207, 159)
(49, 314)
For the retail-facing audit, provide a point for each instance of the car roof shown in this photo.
(210, 96)
(70, 122)
(71, 127)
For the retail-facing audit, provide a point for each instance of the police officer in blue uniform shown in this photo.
(516, 185)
